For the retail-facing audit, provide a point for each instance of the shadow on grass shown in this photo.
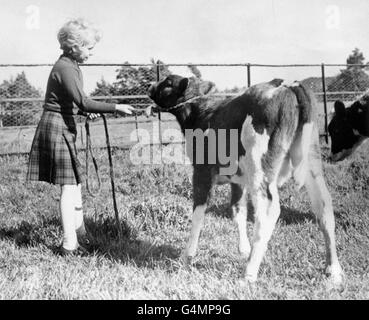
(292, 216)
(351, 221)
(104, 241)
(43, 232)
(288, 215)
(224, 211)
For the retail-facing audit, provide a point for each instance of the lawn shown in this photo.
(155, 208)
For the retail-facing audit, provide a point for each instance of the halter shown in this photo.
(182, 104)
(179, 105)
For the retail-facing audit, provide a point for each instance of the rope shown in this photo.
(89, 152)
(111, 171)
(177, 106)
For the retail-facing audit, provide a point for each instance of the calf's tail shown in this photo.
(301, 145)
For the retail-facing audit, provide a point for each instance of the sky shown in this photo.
(189, 31)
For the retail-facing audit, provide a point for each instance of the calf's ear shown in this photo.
(183, 85)
(339, 108)
(151, 91)
(206, 87)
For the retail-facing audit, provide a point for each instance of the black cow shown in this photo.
(349, 127)
(267, 134)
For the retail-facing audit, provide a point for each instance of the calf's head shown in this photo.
(348, 128)
(175, 89)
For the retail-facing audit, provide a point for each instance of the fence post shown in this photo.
(325, 104)
(136, 123)
(248, 75)
(159, 114)
(2, 112)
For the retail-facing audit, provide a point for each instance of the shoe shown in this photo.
(85, 242)
(83, 238)
(80, 251)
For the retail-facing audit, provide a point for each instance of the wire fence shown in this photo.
(21, 100)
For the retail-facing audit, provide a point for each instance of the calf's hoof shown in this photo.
(247, 283)
(336, 277)
(251, 278)
(186, 260)
(244, 252)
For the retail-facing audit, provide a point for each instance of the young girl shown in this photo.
(53, 156)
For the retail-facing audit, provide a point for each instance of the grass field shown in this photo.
(155, 209)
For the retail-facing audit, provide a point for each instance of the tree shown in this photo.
(103, 88)
(356, 58)
(21, 88)
(127, 80)
(132, 81)
(19, 113)
(136, 81)
(353, 78)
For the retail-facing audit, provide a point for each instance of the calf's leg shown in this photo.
(202, 182)
(267, 211)
(321, 203)
(264, 159)
(239, 214)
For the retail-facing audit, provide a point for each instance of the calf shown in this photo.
(276, 137)
(349, 128)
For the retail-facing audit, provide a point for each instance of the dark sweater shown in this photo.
(65, 93)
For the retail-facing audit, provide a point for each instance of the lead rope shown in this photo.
(89, 150)
(177, 106)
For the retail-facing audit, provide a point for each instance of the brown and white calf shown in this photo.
(270, 135)
(349, 127)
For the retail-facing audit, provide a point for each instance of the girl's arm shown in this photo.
(72, 84)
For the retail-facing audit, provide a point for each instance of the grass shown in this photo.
(155, 208)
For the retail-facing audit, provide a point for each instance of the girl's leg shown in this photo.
(79, 222)
(67, 210)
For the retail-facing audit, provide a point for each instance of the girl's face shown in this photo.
(81, 54)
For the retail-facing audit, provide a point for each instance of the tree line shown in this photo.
(135, 81)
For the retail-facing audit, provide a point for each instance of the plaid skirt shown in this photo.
(53, 157)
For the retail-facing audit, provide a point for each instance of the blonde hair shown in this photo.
(77, 32)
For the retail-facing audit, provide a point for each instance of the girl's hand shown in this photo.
(149, 111)
(124, 109)
(93, 116)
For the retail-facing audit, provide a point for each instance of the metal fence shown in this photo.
(21, 99)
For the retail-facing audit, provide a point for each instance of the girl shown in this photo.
(53, 156)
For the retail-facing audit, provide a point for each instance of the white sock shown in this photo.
(78, 209)
(79, 223)
(68, 217)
